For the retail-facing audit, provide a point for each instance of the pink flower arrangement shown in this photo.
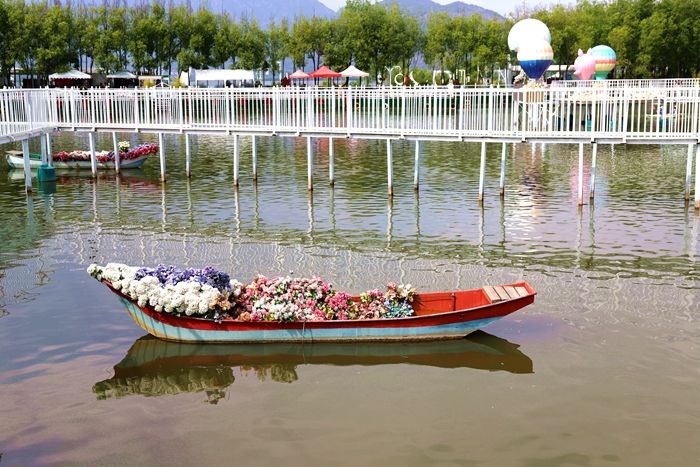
(313, 299)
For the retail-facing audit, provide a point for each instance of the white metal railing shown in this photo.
(630, 83)
(621, 113)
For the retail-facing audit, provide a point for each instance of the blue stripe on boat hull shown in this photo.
(173, 333)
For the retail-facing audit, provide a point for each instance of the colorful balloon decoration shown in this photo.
(584, 65)
(527, 30)
(535, 56)
(605, 60)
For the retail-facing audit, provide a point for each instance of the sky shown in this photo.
(500, 6)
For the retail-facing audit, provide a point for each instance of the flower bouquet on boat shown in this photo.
(206, 305)
(129, 158)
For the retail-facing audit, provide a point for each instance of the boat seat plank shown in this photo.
(501, 292)
(522, 291)
(491, 293)
(510, 290)
(14, 152)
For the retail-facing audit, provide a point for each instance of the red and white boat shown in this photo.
(437, 315)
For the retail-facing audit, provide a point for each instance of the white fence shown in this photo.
(582, 113)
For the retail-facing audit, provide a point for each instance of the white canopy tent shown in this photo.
(353, 72)
(121, 75)
(222, 75)
(71, 74)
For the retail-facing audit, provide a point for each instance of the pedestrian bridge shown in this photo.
(587, 112)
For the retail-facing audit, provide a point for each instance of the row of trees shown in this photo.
(659, 38)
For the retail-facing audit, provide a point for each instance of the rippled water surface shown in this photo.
(603, 369)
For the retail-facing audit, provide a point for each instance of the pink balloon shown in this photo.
(584, 65)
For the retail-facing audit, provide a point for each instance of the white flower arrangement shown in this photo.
(187, 297)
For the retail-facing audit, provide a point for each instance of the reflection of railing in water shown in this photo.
(153, 367)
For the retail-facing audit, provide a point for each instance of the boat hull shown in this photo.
(17, 162)
(437, 326)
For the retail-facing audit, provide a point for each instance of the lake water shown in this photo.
(603, 369)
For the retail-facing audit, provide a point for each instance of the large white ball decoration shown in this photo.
(526, 30)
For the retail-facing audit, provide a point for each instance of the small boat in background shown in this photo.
(154, 367)
(130, 159)
(437, 316)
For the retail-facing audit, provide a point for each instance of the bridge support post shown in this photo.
(689, 170)
(580, 174)
(482, 172)
(502, 182)
(161, 148)
(389, 168)
(594, 156)
(48, 149)
(27, 168)
(188, 156)
(44, 156)
(254, 150)
(331, 163)
(93, 156)
(236, 156)
(117, 154)
(309, 165)
(697, 176)
(416, 166)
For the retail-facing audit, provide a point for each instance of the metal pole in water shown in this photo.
(482, 172)
(27, 168)
(44, 157)
(309, 165)
(416, 166)
(688, 171)
(594, 156)
(93, 157)
(697, 176)
(254, 149)
(502, 182)
(389, 168)
(236, 150)
(580, 174)
(48, 149)
(161, 147)
(117, 154)
(188, 155)
(331, 162)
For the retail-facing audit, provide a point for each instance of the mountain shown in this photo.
(266, 10)
(422, 9)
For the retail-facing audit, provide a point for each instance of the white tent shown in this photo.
(71, 74)
(121, 75)
(353, 72)
(223, 75)
(184, 78)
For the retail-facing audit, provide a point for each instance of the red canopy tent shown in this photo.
(324, 72)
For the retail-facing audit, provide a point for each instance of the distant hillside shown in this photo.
(422, 9)
(266, 10)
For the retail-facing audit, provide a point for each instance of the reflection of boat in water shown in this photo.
(154, 367)
(131, 178)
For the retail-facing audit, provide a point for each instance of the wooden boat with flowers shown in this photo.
(255, 313)
(133, 158)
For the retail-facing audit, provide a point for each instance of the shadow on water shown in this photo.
(154, 367)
